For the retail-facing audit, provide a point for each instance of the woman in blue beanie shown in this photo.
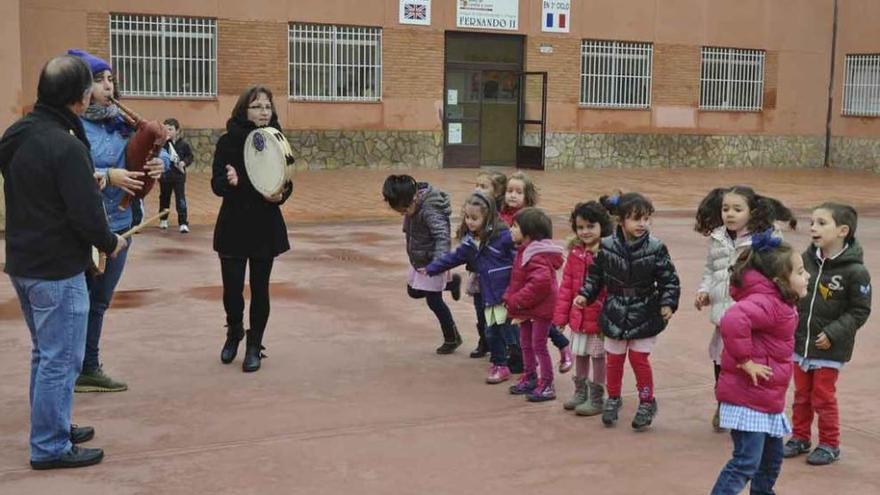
(108, 135)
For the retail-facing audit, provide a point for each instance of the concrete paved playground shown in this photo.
(353, 399)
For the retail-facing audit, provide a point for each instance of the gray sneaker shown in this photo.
(97, 381)
(644, 415)
(610, 410)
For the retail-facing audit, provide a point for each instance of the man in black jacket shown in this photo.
(54, 217)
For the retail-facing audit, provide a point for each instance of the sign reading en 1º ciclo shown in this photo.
(488, 14)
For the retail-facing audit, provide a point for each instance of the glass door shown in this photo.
(531, 124)
(462, 112)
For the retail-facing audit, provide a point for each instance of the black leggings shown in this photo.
(435, 302)
(233, 290)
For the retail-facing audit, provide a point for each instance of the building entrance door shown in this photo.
(484, 106)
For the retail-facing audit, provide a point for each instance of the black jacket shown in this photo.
(248, 226)
(184, 154)
(427, 229)
(640, 279)
(838, 303)
(54, 212)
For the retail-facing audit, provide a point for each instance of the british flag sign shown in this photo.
(415, 12)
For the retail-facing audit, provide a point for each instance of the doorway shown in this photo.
(490, 115)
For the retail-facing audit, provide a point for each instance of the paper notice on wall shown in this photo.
(488, 14)
(556, 16)
(454, 133)
(452, 97)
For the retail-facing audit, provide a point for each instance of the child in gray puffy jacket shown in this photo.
(426, 211)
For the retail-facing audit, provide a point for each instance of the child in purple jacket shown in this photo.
(758, 334)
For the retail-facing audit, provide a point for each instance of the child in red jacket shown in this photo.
(530, 298)
(590, 223)
(758, 333)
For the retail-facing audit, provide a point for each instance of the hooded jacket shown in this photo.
(427, 229)
(248, 225)
(722, 254)
(492, 260)
(532, 290)
(640, 279)
(759, 327)
(54, 212)
(838, 303)
(581, 320)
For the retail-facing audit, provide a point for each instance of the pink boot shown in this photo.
(565, 359)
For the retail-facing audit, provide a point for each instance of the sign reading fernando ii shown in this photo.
(488, 14)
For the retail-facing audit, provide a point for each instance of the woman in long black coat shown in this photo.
(250, 229)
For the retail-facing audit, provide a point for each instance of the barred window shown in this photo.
(164, 56)
(616, 74)
(732, 79)
(861, 86)
(335, 63)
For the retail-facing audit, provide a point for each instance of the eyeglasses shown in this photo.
(268, 108)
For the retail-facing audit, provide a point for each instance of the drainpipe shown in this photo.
(827, 162)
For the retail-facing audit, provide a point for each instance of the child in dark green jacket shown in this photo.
(837, 305)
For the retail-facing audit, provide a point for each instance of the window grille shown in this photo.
(159, 56)
(335, 63)
(732, 79)
(616, 74)
(861, 86)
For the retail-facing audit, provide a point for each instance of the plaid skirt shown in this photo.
(587, 345)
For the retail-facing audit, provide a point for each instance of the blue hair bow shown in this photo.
(613, 200)
(765, 241)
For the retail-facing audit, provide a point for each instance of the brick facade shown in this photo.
(563, 83)
(98, 34)
(676, 77)
(251, 52)
(412, 63)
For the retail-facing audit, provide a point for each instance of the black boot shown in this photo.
(234, 334)
(253, 352)
(482, 347)
(514, 358)
(451, 340)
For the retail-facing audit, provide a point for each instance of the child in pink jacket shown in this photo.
(530, 299)
(758, 334)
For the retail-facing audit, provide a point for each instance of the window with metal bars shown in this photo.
(732, 79)
(335, 63)
(861, 86)
(616, 74)
(160, 56)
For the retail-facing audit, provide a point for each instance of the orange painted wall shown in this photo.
(797, 33)
(10, 53)
(858, 33)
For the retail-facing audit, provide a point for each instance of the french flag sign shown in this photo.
(557, 16)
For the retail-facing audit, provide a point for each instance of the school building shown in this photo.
(467, 83)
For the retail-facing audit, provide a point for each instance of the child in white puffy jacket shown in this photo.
(728, 217)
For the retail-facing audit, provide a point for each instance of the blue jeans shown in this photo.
(101, 289)
(496, 342)
(55, 312)
(558, 338)
(756, 457)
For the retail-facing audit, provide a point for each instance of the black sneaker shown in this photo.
(644, 415)
(81, 434)
(76, 457)
(514, 359)
(609, 412)
(480, 351)
(823, 455)
(795, 447)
